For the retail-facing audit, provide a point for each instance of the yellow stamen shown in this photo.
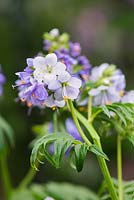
(122, 93)
(65, 98)
(53, 108)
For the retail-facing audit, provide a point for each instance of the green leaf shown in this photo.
(22, 194)
(131, 139)
(66, 191)
(94, 149)
(124, 111)
(80, 155)
(41, 150)
(105, 110)
(128, 188)
(119, 114)
(6, 134)
(60, 148)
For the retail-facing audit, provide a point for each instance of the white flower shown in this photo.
(47, 68)
(54, 32)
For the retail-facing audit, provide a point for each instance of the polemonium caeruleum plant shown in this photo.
(62, 79)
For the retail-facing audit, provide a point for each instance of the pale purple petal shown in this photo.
(128, 97)
(50, 101)
(39, 62)
(60, 103)
(59, 68)
(96, 91)
(41, 93)
(59, 94)
(29, 62)
(70, 92)
(75, 82)
(71, 129)
(54, 85)
(64, 77)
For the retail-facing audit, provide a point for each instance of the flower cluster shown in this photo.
(67, 52)
(46, 82)
(50, 80)
(109, 84)
(2, 81)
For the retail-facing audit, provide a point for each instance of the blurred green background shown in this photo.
(105, 30)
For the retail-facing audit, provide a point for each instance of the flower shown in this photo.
(75, 49)
(104, 95)
(72, 130)
(128, 97)
(109, 84)
(46, 82)
(69, 87)
(46, 69)
(2, 81)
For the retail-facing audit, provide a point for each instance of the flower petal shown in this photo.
(60, 103)
(51, 59)
(75, 82)
(29, 62)
(58, 94)
(64, 77)
(48, 77)
(59, 68)
(70, 92)
(50, 101)
(41, 93)
(54, 85)
(39, 62)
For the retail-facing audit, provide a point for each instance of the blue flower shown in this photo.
(72, 130)
(2, 81)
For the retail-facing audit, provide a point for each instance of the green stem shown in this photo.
(101, 160)
(28, 178)
(89, 109)
(5, 176)
(77, 123)
(106, 173)
(119, 163)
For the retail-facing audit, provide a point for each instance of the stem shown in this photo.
(106, 173)
(119, 163)
(77, 123)
(5, 176)
(28, 178)
(89, 109)
(101, 160)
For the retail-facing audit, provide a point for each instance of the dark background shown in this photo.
(105, 30)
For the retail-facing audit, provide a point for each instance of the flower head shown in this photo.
(109, 84)
(46, 82)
